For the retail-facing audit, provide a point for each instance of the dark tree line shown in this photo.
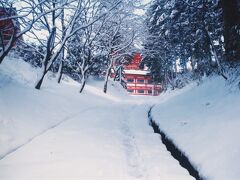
(231, 15)
(191, 39)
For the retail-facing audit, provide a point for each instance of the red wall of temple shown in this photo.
(6, 26)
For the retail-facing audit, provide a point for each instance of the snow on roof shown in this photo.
(139, 72)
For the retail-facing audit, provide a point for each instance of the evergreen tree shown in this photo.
(231, 12)
(183, 33)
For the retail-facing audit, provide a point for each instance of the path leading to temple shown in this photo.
(107, 142)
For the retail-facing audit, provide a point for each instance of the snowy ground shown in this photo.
(204, 121)
(57, 133)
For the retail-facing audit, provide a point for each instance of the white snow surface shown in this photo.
(57, 133)
(138, 72)
(204, 122)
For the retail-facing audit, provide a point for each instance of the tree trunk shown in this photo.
(5, 52)
(105, 85)
(220, 69)
(106, 79)
(60, 71)
(231, 17)
(83, 85)
(49, 59)
(39, 83)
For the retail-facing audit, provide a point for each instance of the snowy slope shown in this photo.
(204, 122)
(57, 133)
(25, 112)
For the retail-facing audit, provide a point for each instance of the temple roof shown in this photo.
(135, 63)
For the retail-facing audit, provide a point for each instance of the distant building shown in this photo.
(139, 81)
(7, 26)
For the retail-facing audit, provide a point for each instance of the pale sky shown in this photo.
(42, 34)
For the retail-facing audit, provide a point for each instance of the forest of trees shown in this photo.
(190, 39)
(181, 40)
(74, 37)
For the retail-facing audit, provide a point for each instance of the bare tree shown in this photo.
(82, 46)
(24, 17)
(54, 46)
(116, 40)
(84, 53)
(62, 58)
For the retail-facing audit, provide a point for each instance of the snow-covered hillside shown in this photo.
(57, 133)
(204, 121)
(25, 112)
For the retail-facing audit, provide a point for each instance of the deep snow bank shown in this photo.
(204, 121)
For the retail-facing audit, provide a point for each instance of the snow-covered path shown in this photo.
(59, 134)
(107, 142)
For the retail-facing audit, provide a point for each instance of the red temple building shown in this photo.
(7, 25)
(139, 81)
